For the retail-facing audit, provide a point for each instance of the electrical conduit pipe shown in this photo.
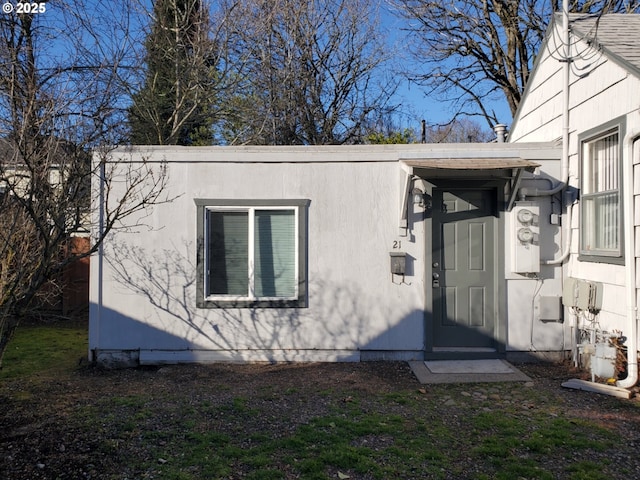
(564, 175)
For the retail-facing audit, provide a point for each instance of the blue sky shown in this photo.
(415, 106)
(437, 111)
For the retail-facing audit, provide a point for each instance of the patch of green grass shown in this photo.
(259, 434)
(238, 406)
(265, 474)
(504, 444)
(586, 470)
(401, 398)
(47, 350)
(337, 441)
(133, 401)
(521, 468)
(575, 434)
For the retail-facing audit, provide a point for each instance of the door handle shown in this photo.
(436, 276)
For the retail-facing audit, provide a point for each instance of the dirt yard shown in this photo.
(169, 422)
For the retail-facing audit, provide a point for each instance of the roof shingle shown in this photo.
(617, 34)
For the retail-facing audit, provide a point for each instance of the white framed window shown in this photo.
(601, 208)
(251, 253)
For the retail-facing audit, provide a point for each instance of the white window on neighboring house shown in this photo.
(601, 207)
(251, 253)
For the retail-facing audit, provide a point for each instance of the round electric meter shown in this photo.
(525, 216)
(525, 235)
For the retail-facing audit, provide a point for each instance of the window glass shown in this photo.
(603, 214)
(600, 226)
(251, 253)
(275, 253)
(227, 253)
(601, 169)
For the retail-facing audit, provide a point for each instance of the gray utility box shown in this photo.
(582, 294)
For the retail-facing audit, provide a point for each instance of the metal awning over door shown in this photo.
(507, 169)
(472, 166)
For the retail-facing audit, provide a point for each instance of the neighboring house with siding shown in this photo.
(586, 87)
(400, 252)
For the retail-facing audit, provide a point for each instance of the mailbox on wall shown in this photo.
(398, 263)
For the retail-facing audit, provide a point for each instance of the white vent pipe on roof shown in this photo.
(501, 132)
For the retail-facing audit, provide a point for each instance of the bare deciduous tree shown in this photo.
(311, 71)
(60, 98)
(460, 130)
(474, 52)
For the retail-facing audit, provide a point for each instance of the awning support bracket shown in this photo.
(514, 185)
(404, 207)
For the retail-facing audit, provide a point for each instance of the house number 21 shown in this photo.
(397, 244)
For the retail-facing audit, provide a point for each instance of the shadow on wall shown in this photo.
(174, 330)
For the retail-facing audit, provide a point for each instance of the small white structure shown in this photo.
(403, 252)
(331, 254)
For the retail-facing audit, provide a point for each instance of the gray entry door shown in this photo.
(464, 268)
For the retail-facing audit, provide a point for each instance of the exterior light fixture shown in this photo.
(420, 198)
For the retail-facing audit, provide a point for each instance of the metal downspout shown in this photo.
(630, 260)
(100, 252)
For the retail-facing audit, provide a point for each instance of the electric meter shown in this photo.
(525, 245)
(525, 235)
(525, 216)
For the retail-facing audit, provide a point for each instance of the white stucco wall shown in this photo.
(143, 284)
(148, 275)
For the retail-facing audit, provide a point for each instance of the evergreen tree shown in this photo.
(175, 103)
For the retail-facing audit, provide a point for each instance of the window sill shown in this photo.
(299, 303)
(619, 260)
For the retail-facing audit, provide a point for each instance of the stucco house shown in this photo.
(400, 252)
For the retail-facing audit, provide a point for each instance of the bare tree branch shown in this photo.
(311, 71)
(54, 110)
(475, 52)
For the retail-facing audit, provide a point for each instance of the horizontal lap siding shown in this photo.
(600, 91)
(540, 114)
